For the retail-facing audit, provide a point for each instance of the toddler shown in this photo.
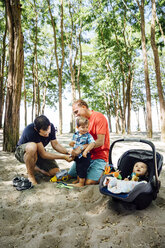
(80, 138)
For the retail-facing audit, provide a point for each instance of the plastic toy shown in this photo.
(109, 170)
(135, 177)
(60, 176)
(116, 174)
(64, 185)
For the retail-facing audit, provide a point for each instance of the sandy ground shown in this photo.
(47, 216)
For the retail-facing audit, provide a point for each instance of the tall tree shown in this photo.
(115, 45)
(146, 73)
(2, 67)
(35, 67)
(74, 43)
(157, 71)
(59, 65)
(15, 75)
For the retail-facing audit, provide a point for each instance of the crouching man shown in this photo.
(31, 148)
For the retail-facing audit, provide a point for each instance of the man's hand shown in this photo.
(75, 152)
(68, 158)
(72, 143)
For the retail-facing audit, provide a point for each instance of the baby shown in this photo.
(139, 175)
(140, 172)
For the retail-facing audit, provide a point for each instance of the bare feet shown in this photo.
(74, 182)
(32, 179)
(80, 182)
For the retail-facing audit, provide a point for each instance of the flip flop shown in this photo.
(18, 180)
(26, 184)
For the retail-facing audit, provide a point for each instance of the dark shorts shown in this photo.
(82, 165)
(44, 164)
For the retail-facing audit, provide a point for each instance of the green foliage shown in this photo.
(160, 7)
(2, 22)
(111, 44)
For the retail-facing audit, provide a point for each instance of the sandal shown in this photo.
(22, 183)
(26, 184)
(18, 180)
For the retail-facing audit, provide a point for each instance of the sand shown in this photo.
(47, 216)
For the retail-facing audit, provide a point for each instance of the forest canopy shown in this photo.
(110, 53)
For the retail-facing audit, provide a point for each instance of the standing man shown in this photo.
(98, 128)
(30, 148)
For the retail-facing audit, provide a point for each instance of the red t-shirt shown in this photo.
(98, 125)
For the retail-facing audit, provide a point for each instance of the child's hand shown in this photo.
(72, 143)
(68, 158)
(85, 154)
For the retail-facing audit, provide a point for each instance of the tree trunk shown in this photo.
(15, 75)
(25, 106)
(48, 70)
(129, 97)
(33, 101)
(137, 117)
(72, 62)
(2, 66)
(73, 87)
(60, 100)
(129, 112)
(107, 107)
(145, 116)
(36, 84)
(124, 83)
(44, 97)
(158, 115)
(80, 61)
(109, 112)
(147, 83)
(59, 68)
(116, 108)
(157, 71)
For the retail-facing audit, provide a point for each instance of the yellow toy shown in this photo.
(135, 177)
(60, 176)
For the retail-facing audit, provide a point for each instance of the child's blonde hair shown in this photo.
(81, 121)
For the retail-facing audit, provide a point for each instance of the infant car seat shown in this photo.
(143, 194)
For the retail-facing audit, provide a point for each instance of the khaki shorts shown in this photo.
(44, 164)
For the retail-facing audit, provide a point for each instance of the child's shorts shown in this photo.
(82, 165)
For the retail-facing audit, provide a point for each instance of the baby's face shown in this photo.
(83, 129)
(140, 168)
